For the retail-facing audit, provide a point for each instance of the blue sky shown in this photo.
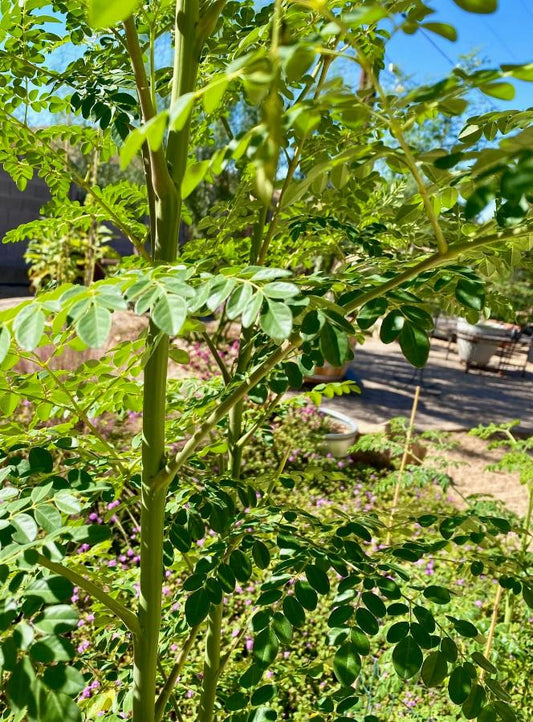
(505, 36)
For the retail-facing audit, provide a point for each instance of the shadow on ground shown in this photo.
(450, 399)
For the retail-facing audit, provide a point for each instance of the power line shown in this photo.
(438, 48)
(528, 10)
(502, 42)
(453, 64)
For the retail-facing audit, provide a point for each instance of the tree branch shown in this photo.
(160, 176)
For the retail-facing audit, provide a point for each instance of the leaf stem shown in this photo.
(122, 612)
(166, 692)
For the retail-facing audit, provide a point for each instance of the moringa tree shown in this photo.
(336, 221)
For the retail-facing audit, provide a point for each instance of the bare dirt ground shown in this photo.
(468, 470)
(461, 402)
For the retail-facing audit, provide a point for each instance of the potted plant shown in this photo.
(476, 343)
(341, 432)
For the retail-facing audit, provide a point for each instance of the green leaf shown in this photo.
(239, 300)
(517, 181)
(360, 641)
(521, 72)
(374, 604)
(487, 714)
(317, 578)
(194, 175)
(236, 701)
(436, 594)
(442, 29)
(5, 342)
(94, 325)
(346, 664)
(334, 345)
(251, 310)
(41, 461)
(263, 694)
(57, 619)
(50, 589)
(260, 554)
(294, 611)
(226, 577)
(276, 322)
(449, 649)
(220, 290)
(365, 16)
(497, 690)
(280, 290)
(306, 595)
(241, 565)
(397, 631)
(213, 93)
(52, 649)
(19, 687)
(478, 201)
(367, 621)
(474, 702)
(106, 13)
(340, 616)
(502, 91)
(179, 356)
(391, 326)
(180, 111)
(370, 312)
(465, 629)
(415, 344)
(29, 326)
(527, 593)
(197, 607)
(132, 145)
(58, 707)
(282, 627)
(483, 662)
(459, 685)
(63, 678)
(505, 712)
(169, 313)
(478, 6)
(407, 658)
(266, 647)
(66, 502)
(470, 293)
(435, 669)
(26, 528)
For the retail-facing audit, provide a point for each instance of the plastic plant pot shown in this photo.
(338, 443)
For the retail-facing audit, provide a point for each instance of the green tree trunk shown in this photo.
(166, 175)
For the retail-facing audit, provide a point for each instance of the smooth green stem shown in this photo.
(117, 608)
(146, 645)
(186, 58)
(206, 712)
